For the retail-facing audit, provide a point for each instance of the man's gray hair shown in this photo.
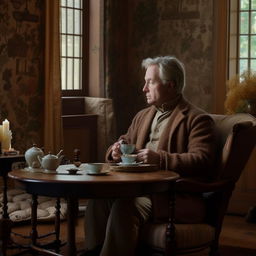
(170, 70)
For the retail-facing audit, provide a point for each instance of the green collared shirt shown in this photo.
(159, 122)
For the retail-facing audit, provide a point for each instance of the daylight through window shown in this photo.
(72, 46)
(242, 36)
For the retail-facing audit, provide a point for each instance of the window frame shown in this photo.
(234, 57)
(85, 54)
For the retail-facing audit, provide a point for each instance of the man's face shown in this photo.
(156, 92)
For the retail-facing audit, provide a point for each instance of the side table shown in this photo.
(6, 162)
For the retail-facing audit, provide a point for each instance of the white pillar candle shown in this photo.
(6, 135)
(6, 126)
(6, 142)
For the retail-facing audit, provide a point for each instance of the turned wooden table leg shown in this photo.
(57, 225)
(71, 218)
(34, 234)
(170, 230)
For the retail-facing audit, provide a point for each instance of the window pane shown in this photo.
(253, 47)
(77, 22)
(77, 48)
(243, 65)
(70, 21)
(70, 47)
(253, 65)
(63, 45)
(244, 4)
(70, 3)
(77, 85)
(70, 74)
(63, 73)
(253, 4)
(244, 22)
(77, 4)
(63, 20)
(243, 46)
(253, 23)
(63, 2)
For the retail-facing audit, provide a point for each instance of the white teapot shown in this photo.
(31, 157)
(50, 162)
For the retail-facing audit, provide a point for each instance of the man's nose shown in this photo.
(145, 88)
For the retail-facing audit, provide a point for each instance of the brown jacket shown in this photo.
(186, 145)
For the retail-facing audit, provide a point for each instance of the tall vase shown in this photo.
(251, 106)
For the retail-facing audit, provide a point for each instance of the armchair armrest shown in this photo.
(198, 186)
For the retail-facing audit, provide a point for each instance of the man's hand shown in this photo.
(148, 156)
(116, 153)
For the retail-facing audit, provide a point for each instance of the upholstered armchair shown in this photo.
(236, 136)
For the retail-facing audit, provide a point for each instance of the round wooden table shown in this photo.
(82, 185)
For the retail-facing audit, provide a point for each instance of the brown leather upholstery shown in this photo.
(236, 135)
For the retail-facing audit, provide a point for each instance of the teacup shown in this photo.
(94, 167)
(128, 158)
(127, 148)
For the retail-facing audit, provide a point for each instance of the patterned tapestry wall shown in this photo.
(21, 81)
(148, 28)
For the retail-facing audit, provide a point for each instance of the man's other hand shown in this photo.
(116, 153)
(148, 156)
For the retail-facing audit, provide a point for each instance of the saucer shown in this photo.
(97, 173)
(129, 164)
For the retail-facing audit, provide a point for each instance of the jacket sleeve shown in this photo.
(199, 157)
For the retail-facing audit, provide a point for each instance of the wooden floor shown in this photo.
(236, 232)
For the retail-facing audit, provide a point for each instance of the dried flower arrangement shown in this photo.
(241, 90)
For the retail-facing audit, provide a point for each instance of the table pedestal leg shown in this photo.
(71, 218)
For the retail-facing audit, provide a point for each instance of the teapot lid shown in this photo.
(34, 147)
(50, 156)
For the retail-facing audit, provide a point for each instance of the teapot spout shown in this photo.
(60, 159)
(58, 155)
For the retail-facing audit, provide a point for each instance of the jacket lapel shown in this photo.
(175, 118)
(144, 130)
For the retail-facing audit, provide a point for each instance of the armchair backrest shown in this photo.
(236, 135)
(236, 138)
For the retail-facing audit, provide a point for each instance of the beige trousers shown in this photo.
(115, 224)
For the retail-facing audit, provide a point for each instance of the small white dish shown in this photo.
(97, 173)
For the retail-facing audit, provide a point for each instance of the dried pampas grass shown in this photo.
(241, 89)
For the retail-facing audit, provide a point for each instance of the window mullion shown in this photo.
(73, 50)
(238, 37)
(249, 36)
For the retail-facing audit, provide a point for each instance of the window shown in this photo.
(74, 38)
(242, 40)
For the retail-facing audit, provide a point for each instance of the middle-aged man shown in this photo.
(171, 133)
